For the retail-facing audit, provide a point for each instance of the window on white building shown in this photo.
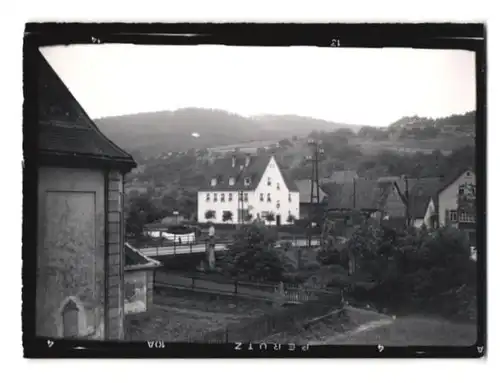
(222, 197)
(467, 217)
(268, 197)
(247, 181)
(215, 197)
(214, 181)
(207, 198)
(277, 185)
(240, 196)
(452, 215)
(278, 204)
(262, 197)
(231, 181)
(230, 197)
(268, 181)
(289, 197)
(245, 197)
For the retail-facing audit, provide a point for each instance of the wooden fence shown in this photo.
(291, 292)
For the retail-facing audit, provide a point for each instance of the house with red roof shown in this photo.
(243, 188)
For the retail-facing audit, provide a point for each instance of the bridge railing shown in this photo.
(294, 242)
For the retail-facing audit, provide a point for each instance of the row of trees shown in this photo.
(412, 269)
(388, 163)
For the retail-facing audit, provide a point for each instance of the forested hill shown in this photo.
(165, 131)
(451, 125)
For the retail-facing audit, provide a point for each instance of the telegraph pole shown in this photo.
(314, 158)
(407, 205)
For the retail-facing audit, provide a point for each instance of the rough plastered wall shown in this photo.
(138, 290)
(136, 285)
(115, 309)
(70, 254)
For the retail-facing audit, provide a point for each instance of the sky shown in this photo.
(357, 86)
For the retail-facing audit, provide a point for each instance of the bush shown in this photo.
(419, 268)
(253, 254)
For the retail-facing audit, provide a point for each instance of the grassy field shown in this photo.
(364, 327)
(413, 331)
(179, 319)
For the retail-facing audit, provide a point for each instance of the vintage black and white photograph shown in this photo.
(273, 198)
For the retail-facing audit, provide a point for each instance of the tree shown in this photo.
(253, 254)
(227, 215)
(290, 218)
(140, 211)
(270, 217)
(285, 143)
(209, 214)
(420, 268)
(247, 214)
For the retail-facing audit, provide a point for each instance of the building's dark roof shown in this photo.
(421, 191)
(448, 180)
(134, 259)
(290, 184)
(66, 132)
(362, 194)
(304, 187)
(340, 176)
(223, 170)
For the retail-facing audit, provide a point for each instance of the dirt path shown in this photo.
(364, 327)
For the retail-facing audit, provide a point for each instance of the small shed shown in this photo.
(79, 286)
(139, 278)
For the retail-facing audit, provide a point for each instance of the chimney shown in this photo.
(233, 161)
(247, 160)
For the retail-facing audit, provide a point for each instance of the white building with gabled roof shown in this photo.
(245, 188)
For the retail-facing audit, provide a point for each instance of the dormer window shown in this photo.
(222, 197)
(268, 197)
(215, 197)
(231, 181)
(247, 181)
(268, 181)
(213, 182)
(207, 197)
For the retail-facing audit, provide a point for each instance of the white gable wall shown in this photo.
(448, 197)
(273, 172)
